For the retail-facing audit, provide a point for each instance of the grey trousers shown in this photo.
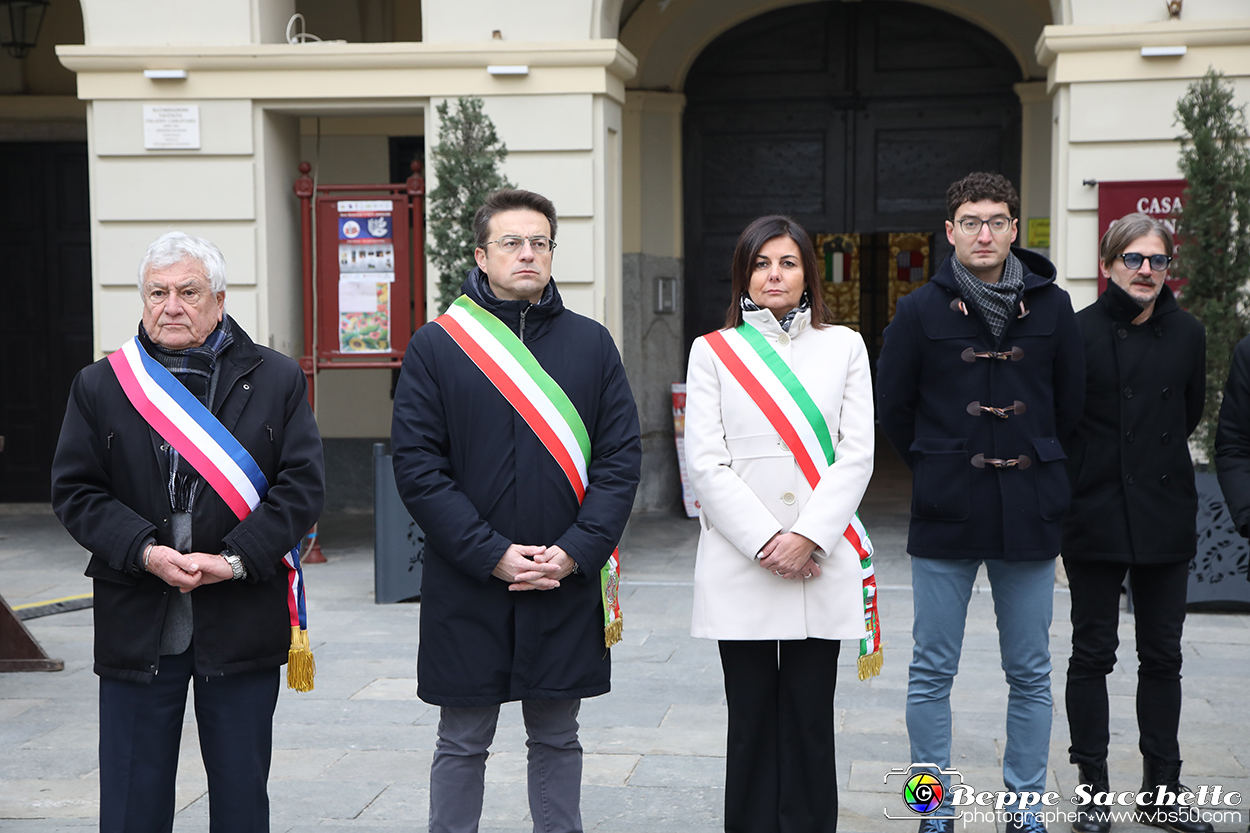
(458, 772)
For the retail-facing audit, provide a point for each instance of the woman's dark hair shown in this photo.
(750, 242)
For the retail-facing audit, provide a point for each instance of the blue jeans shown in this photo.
(1023, 603)
(458, 771)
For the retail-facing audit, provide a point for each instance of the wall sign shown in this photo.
(171, 127)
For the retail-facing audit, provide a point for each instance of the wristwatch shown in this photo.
(236, 564)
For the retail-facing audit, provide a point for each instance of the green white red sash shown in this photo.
(789, 408)
(186, 424)
(545, 407)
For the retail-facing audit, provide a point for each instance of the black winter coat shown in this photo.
(109, 490)
(928, 380)
(1133, 495)
(477, 479)
(1232, 439)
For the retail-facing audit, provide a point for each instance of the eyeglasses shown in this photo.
(971, 225)
(512, 244)
(1133, 260)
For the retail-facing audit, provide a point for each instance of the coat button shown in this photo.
(1167, 393)
(783, 339)
(1128, 435)
(1128, 393)
(1122, 333)
(788, 498)
(246, 386)
(1158, 331)
(1129, 479)
(1165, 438)
(1164, 480)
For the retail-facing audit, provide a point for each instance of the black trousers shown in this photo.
(141, 730)
(779, 772)
(1159, 607)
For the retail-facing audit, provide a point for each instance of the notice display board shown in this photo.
(1158, 198)
(363, 312)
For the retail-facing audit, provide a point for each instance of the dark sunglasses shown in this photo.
(1133, 260)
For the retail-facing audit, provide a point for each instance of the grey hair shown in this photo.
(1127, 229)
(174, 247)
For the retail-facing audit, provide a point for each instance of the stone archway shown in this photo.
(851, 117)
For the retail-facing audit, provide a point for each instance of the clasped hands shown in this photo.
(187, 571)
(533, 568)
(789, 555)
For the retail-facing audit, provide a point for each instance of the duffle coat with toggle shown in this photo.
(979, 420)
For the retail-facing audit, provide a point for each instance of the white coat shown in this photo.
(749, 488)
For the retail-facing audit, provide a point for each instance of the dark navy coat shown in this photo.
(477, 479)
(927, 384)
(1133, 494)
(1232, 439)
(109, 489)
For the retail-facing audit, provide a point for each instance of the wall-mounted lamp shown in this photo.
(165, 74)
(19, 25)
(1163, 51)
(508, 69)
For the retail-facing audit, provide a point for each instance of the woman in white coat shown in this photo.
(778, 580)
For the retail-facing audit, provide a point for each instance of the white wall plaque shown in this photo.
(171, 126)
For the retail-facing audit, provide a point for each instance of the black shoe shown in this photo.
(1024, 822)
(1169, 816)
(943, 826)
(1093, 818)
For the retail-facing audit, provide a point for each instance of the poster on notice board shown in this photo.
(366, 272)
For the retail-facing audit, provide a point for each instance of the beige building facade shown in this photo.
(654, 125)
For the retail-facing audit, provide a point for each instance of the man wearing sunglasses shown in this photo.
(1133, 512)
(980, 378)
(516, 449)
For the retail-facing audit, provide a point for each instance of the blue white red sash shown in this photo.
(186, 424)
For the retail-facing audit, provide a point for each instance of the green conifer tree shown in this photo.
(1214, 229)
(465, 163)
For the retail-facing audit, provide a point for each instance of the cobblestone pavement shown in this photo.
(354, 754)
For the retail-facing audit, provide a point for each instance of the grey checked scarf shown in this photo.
(786, 320)
(995, 301)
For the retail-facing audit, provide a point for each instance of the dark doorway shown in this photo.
(45, 315)
(851, 117)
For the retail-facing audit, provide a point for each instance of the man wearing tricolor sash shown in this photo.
(190, 467)
(980, 380)
(516, 449)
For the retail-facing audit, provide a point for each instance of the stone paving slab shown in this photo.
(353, 755)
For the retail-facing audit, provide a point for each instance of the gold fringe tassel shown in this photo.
(870, 664)
(612, 633)
(300, 665)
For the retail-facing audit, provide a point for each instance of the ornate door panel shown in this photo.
(851, 117)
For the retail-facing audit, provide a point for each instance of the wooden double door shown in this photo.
(853, 118)
(45, 305)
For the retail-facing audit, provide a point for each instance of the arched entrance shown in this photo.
(853, 118)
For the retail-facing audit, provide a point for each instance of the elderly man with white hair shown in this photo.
(190, 467)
